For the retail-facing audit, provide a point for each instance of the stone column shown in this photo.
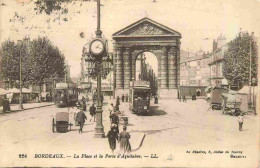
(119, 68)
(133, 67)
(164, 68)
(172, 67)
(127, 68)
(178, 65)
(114, 70)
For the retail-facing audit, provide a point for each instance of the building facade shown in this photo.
(216, 62)
(194, 74)
(147, 35)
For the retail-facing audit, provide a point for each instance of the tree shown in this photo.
(237, 60)
(41, 61)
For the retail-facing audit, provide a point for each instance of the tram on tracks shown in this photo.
(139, 97)
(66, 94)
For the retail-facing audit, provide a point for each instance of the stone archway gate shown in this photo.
(147, 35)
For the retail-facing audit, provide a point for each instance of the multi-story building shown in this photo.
(194, 74)
(216, 61)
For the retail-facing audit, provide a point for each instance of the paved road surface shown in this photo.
(173, 129)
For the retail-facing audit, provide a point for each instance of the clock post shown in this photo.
(99, 129)
(98, 51)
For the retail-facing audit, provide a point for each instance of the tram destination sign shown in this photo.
(141, 83)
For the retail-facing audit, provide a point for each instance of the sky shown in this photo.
(198, 21)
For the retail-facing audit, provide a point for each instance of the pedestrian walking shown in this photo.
(81, 117)
(124, 137)
(84, 105)
(123, 98)
(240, 121)
(111, 109)
(126, 98)
(184, 98)
(3, 101)
(117, 101)
(155, 99)
(114, 119)
(92, 111)
(75, 112)
(112, 136)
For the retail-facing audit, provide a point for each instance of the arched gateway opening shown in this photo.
(147, 36)
(146, 68)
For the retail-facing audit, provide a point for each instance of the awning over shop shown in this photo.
(25, 90)
(3, 91)
(85, 86)
(13, 90)
(246, 90)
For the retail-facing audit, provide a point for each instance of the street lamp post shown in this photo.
(98, 66)
(254, 82)
(250, 75)
(20, 82)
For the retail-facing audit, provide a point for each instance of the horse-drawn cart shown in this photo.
(216, 98)
(62, 122)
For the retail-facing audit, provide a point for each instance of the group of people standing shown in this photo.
(124, 98)
(6, 104)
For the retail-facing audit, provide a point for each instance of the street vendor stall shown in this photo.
(230, 104)
(14, 94)
(244, 95)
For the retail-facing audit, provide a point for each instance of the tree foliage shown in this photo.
(48, 6)
(237, 60)
(41, 61)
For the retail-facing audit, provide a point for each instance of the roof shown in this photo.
(195, 58)
(146, 27)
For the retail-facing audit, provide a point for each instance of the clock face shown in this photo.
(97, 47)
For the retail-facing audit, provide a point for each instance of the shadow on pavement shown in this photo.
(88, 131)
(155, 111)
(149, 132)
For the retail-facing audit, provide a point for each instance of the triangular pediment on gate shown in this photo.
(146, 27)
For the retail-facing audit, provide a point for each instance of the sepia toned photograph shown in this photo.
(129, 83)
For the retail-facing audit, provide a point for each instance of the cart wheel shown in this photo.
(53, 124)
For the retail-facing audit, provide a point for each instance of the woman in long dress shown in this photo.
(124, 137)
(112, 136)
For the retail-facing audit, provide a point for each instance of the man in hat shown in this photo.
(84, 105)
(92, 111)
(81, 117)
(123, 98)
(240, 121)
(126, 98)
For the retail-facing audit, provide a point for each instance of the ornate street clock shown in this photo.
(97, 47)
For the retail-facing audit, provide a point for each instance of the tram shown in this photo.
(65, 94)
(139, 97)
